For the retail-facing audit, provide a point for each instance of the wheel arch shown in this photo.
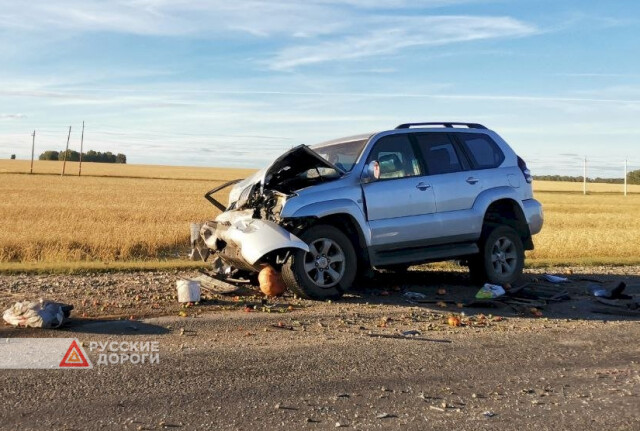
(507, 211)
(347, 216)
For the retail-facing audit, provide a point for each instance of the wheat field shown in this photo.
(127, 213)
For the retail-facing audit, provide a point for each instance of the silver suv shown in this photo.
(422, 192)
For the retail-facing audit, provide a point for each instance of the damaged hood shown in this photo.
(295, 162)
(286, 168)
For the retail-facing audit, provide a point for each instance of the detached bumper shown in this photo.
(242, 241)
(533, 213)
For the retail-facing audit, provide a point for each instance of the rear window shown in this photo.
(482, 150)
(439, 153)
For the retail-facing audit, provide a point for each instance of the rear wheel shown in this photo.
(327, 270)
(501, 257)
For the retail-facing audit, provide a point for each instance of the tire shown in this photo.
(501, 257)
(327, 270)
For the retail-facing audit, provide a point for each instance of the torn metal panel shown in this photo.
(209, 195)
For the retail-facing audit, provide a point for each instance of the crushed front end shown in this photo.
(250, 231)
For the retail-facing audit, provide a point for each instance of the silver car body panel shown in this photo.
(254, 238)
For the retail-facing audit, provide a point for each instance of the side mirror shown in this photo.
(371, 172)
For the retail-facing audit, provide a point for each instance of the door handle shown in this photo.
(472, 180)
(422, 186)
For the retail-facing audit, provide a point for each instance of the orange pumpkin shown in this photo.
(271, 283)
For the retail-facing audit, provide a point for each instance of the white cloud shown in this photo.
(202, 17)
(387, 36)
(12, 116)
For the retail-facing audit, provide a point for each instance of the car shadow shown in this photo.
(453, 291)
(87, 326)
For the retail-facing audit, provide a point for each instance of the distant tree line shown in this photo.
(89, 156)
(633, 177)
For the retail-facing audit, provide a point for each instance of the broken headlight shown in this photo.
(244, 197)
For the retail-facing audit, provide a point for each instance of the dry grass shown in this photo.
(592, 188)
(47, 218)
(50, 222)
(132, 171)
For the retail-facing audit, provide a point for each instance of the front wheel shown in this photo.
(501, 257)
(327, 269)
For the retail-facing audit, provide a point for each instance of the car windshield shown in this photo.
(343, 154)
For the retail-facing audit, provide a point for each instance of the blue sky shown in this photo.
(218, 83)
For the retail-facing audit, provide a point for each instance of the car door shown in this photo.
(454, 187)
(398, 201)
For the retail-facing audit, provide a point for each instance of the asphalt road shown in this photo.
(344, 364)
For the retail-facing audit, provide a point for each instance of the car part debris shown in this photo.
(199, 250)
(37, 314)
(215, 285)
(538, 292)
(209, 195)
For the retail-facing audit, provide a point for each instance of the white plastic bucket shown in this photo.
(188, 290)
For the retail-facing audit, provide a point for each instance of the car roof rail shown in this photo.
(442, 123)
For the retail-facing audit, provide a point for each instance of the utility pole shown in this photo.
(33, 145)
(584, 177)
(81, 143)
(625, 176)
(64, 164)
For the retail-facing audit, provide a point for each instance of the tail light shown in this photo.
(525, 171)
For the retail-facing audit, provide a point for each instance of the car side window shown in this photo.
(396, 157)
(483, 151)
(439, 153)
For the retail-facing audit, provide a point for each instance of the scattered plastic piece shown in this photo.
(409, 333)
(598, 291)
(412, 296)
(555, 279)
(490, 291)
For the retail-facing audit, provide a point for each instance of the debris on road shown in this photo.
(602, 292)
(215, 285)
(37, 314)
(411, 333)
(414, 296)
(555, 279)
(490, 291)
(271, 282)
(188, 290)
(453, 321)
